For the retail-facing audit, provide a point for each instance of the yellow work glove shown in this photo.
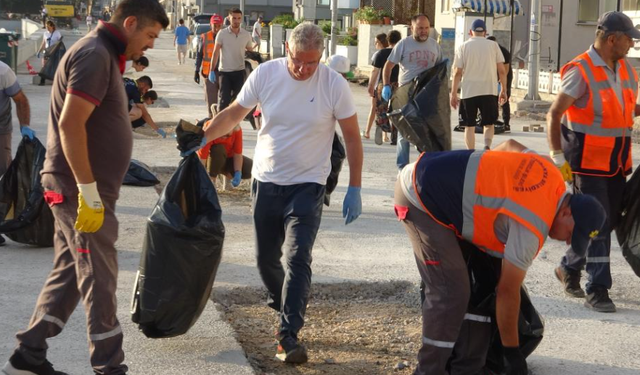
(562, 164)
(90, 209)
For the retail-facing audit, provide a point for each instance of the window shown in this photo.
(590, 10)
(631, 5)
(445, 6)
(324, 2)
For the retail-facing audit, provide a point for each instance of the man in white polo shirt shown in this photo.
(301, 100)
(475, 64)
(231, 43)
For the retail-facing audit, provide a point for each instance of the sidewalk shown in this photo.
(373, 248)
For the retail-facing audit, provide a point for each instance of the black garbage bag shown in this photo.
(338, 155)
(52, 56)
(484, 273)
(139, 174)
(189, 136)
(628, 229)
(425, 120)
(180, 255)
(26, 218)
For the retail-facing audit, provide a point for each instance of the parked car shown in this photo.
(201, 18)
(197, 30)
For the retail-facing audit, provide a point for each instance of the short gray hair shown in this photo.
(307, 37)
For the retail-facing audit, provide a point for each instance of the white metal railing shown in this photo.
(547, 82)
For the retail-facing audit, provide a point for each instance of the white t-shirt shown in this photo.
(479, 58)
(257, 29)
(299, 121)
(51, 38)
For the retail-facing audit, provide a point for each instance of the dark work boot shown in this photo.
(599, 301)
(571, 281)
(17, 365)
(290, 351)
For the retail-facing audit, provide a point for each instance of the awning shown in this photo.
(502, 7)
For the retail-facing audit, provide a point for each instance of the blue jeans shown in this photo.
(290, 216)
(402, 152)
(608, 191)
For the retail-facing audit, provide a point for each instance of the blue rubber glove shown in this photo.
(212, 77)
(236, 179)
(162, 133)
(352, 205)
(189, 152)
(38, 55)
(386, 93)
(27, 132)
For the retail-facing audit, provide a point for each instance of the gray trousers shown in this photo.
(455, 341)
(287, 218)
(85, 268)
(211, 94)
(5, 152)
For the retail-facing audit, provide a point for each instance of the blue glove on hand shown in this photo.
(236, 179)
(27, 132)
(386, 93)
(352, 205)
(38, 55)
(189, 152)
(212, 77)
(162, 133)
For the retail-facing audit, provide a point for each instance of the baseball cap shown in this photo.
(340, 64)
(216, 19)
(589, 217)
(478, 25)
(618, 21)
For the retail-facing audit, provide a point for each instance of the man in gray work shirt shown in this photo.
(415, 54)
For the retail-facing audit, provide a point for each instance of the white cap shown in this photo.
(340, 64)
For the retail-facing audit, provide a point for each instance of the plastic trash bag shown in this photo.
(425, 120)
(26, 218)
(484, 273)
(628, 229)
(53, 55)
(338, 155)
(139, 174)
(180, 255)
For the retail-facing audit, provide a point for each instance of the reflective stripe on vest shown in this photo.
(603, 121)
(208, 45)
(525, 187)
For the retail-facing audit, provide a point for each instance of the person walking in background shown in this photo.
(231, 44)
(89, 149)
(301, 101)
(43, 14)
(475, 65)
(50, 38)
(589, 136)
(378, 61)
(415, 54)
(257, 33)
(89, 21)
(381, 44)
(181, 41)
(10, 90)
(203, 63)
(506, 107)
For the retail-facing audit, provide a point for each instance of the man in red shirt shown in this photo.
(223, 156)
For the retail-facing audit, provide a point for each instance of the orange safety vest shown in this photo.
(524, 186)
(208, 44)
(602, 145)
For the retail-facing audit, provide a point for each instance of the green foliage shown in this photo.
(326, 27)
(285, 20)
(348, 41)
(367, 14)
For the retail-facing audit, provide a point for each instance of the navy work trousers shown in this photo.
(286, 219)
(608, 191)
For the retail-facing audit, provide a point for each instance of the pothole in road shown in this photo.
(350, 328)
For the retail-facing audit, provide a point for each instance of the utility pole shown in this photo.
(334, 26)
(242, 10)
(534, 50)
